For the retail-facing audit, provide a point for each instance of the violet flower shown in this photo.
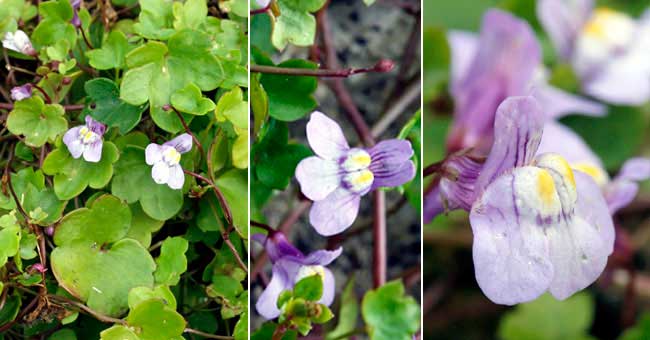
(76, 4)
(290, 265)
(606, 48)
(86, 140)
(166, 160)
(21, 92)
(337, 177)
(538, 225)
(503, 60)
(18, 41)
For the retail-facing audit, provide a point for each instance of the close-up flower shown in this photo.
(18, 41)
(605, 47)
(337, 177)
(166, 159)
(21, 92)
(290, 265)
(86, 140)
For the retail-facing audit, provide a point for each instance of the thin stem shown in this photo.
(40, 89)
(379, 236)
(187, 129)
(83, 34)
(90, 311)
(261, 10)
(432, 169)
(207, 335)
(225, 234)
(381, 66)
(266, 227)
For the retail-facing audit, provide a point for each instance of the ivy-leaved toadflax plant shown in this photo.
(339, 175)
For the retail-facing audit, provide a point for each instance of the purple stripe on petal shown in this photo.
(93, 152)
(278, 246)
(517, 131)
(335, 213)
(391, 164)
(510, 249)
(318, 177)
(95, 126)
(182, 143)
(326, 137)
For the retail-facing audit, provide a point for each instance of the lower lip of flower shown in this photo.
(306, 271)
(87, 136)
(171, 156)
(358, 181)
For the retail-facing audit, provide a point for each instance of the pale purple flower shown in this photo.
(290, 265)
(503, 60)
(21, 92)
(606, 48)
(262, 3)
(86, 140)
(538, 225)
(166, 160)
(337, 177)
(18, 41)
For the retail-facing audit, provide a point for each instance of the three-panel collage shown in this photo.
(325, 169)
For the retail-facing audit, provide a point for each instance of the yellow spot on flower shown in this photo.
(361, 159)
(546, 187)
(604, 22)
(172, 156)
(306, 271)
(594, 171)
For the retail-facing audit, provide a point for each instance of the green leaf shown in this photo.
(35, 197)
(155, 20)
(192, 14)
(112, 53)
(275, 159)
(348, 314)
(411, 131)
(549, 319)
(225, 287)
(241, 328)
(153, 320)
(309, 288)
(38, 122)
(368, 2)
(133, 183)
(232, 107)
(640, 331)
(234, 186)
(138, 295)
(55, 25)
(118, 333)
(72, 176)
(389, 314)
(109, 108)
(290, 97)
(266, 332)
(190, 100)
(157, 71)
(10, 309)
(296, 24)
(102, 275)
(106, 220)
(259, 103)
(172, 261)
(63, 334)
(142, 226)
(9, 242)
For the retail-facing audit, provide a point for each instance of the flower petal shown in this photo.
(160, 173)
(563, 20)
(176, 177)
(590, 206)
(432, 205)
(635, 169)
(277, 246)
(335, 213)
(391, 163)
(153, 154)
(329, 288)
(95, 126)
(267, 302)
(606, 85)
(557, 103)
(463, 47)
(318, 177)
(93, 152)
(322, 257)
(623, 189)
(510, 250)
(326, 137)
(182, 143)
(72, 141)
(517, 131)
